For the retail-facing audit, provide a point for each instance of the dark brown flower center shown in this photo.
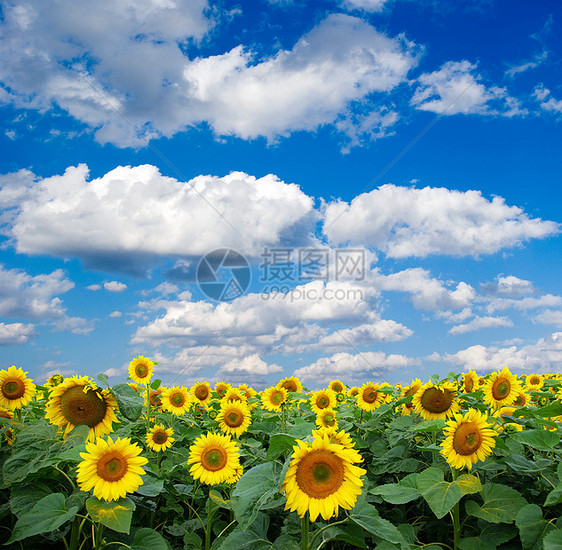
(234, 418)
(160, 437)
(436, 400)
(467, 439)
(202, 392)
(112, 466)
(214, 459)
(141, 370)
(290, 385)
(177, 399)
(13, 388)
(500, 389)
(82, 408)
(370, 394)
(320, 474)
(323, 401)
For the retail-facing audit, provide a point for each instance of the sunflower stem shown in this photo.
(75, 534)
(208, 530)
(304, 532)
(456, 516)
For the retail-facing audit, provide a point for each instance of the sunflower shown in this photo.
(341, 437)
(436, 401)
(79, 402)
(353, 391)
(232, 394)
(140, 369)
(323, 399)
(201, 392)
(411, 389)
(368, 398)
(522, 399)
(159, 438)
(501, 389)
(337, 386)
(469, 439)
(469, 382)
(16, 390)
(237, 475)
(214, 459)
(221, 388)
(505, 424)
(176, 399)
(272, 398)
(234, 418)
(534, 382)
(322, 476)
(154, 397)
(291, 384)
(111, 468)
(326, 418)
(247, 391)
(54, 380)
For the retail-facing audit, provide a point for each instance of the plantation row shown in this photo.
(467, 462)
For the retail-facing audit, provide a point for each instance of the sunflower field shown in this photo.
(468, 462)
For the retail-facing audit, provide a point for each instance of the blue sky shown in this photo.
(420, 140)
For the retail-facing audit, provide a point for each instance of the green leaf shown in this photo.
(216, 497)
(554, 409)
(116, 514)
(149, 539)
(532, 527)
(151, 487)
(286, 542)
(155, 384)
(553, 541)
(256, 487)
(24, 498)
(367, 516)
(523, 466)
(501, 504)
(130, 403)
(468, 484)
(555, 496)
(439, 494)
(278, 444)
(47, 515)
(395, 493)
(542, 440)
(240, 539)
(103, 379)
(436, 425)
(489, 538)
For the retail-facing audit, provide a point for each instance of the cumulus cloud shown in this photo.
(544, 356)
(15, 333)
(546, 101)
(508, 287)
(426, 292)
(115, 286)
(481, 322)
(131, 215)
(407, 222)
(523, 304)
(361, 366)
(307, 318)
(365, 5)
(550, 317)
(251, 364)
(123, 70)
(454, 89)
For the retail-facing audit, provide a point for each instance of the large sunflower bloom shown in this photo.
(111, 468)
(501, 389)
(201, 393)
(323, 399)
(232, 394)
(16, 390)
(79, 402)
(214, 459)
(369, 398)
(291, 384)
(159, 438)
(436, 401)
(272, 398)
(176, 399)
(140, 369)
(468, 439)
(337, 386)
(234, 418)
(322, 476)
(534, 382)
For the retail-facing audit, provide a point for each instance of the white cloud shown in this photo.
(407, 222)
(481, 322)
(454, 89)
(15, 333)
(426, 292)
(501, 304)
(538, 59)
(115, 314)
(94, 287)
(32, 296)
(115, 286)
(550, 317)
(350, 367)
(134, 214)
(509, 286)
(551, 104)
(122, 70)
(365, 5)
(251, 364)
(544, 356)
